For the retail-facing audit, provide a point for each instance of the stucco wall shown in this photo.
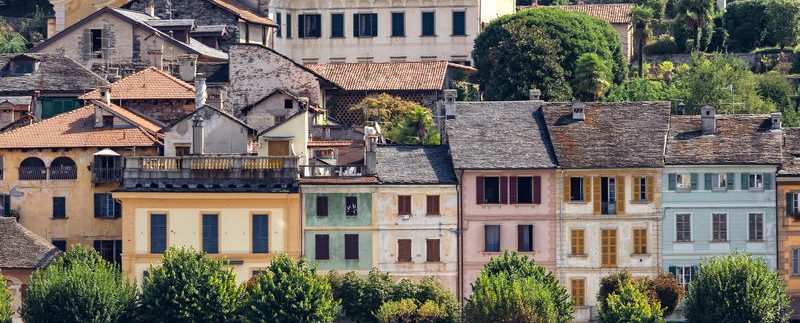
(16, 281)
(266, 113)
(222, 134)
(296, 129)
(625, 32)
(788, 234)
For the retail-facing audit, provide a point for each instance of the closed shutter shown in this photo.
(567, 184)
(86, 46)
(322, 247)
(767, 181)
(673, 270)
(503, 190)
(480, 196)
(98, 204)
(432, 205)
(59, 207)
(596, 198)
(355, 25)
(260, 233)
(621, 194)
(789, 204)
(374, 17)
(513, 190)
(707, 181)
(301, 26)
(404, 205)
(745, 181)
(404, 250)
(104, 45)
(322, 206)
(288, 25)
(637, 188)
(537, 190)
(729, 183)
(6, 205)
(350, 246)
(211, 233)
(694, 179)
(671, 178)
(117, 209)
(158, 233)
(649, 187)
(337, 25)
(432, 247)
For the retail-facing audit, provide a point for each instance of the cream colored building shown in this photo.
(324, 31)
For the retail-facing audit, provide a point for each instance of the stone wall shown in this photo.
(754, 59)
(166, 111)
(203, 12)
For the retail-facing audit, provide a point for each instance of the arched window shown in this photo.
(32, 168)
(63, 168)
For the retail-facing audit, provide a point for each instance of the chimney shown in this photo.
(198, 141)
(535, 94)
(200, 92)
(156, 58)
(370, 144)
(450, 96)
(105, 94)
(775, 117)
(150, 9)
(578, 111)
(187, 66)
(708, 120)
(215, 96)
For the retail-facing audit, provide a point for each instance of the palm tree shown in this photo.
(415, 128)
(592, 76)
(698, 14)
(641, 18)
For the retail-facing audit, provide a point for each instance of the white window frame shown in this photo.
(719, 181)
(683, 274)
(749, 217)
(683, 182)
(676, 228)
(756, 178)
(795, 202)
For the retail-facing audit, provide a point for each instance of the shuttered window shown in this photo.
(309, 25)
(640, 241)
(719, 227)
(525, 238)
(521, 190)
(577, 242)
(60, 244)
(106, 207)
(792, 201)
(211, 233)
(578, 291)
(432, 205)
(796, 262)
(288, 25)
(322, 206)
(322, 247)
(642, 191)
(432, 250)
(459, 23)
(365, 24)
(337, 25)
(398, 24)
(683, 227)
(404, 205)
(59, 207)
(260, 233)
(428, 24)
(5, 203)
(756, 227)
(351, 246)
(158, 233)
(351, 205)
(278, 21)
(110, 250)
(492, 238)
(608, 248)
(574, 191)
(404, 250)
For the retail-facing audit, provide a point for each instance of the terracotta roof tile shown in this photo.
(398, 76)
(739, 140)
(615, 13)
(148, 84)
(22, 248)
(330, 143)
(243, 12)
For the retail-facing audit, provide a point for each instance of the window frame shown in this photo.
(351, 210)
(795, 262)
(683, 182)
(579, 188)
(719, 181)
(609, 248)
(97, 39)
(154, 249)
(721, 236)
(486, 245)
(102, 246)
(317, 238)
(60, 211)
(578, 285)
(759, 223)
(348, 238)
(404, 205)
(257, 248)
(462, 27)
(528, 187)
(107, 202)
(486, 185)
(686, 230)
(402, 28)
(337, 20)
(639, 241)
(523, 228)
(643, 189)
(365, 30)
(430, 211)
(755, 178)
(423, 31)
(213, 248)
(322, 212)
(428, 248)
(400, 255)
(577, 249)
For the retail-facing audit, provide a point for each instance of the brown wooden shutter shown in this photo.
(596, 195)
(513, 199)
(587, 188)
(620, 194)
(404, 250)
(520, 236)
(432, 246)
(404, 205)
(567, 184)
(503, 190)
(432, 205)
(350, 246)
(637, 191)
(321, 247)
(322, 206)
(537, 190)
(479, 194)
(649, 185)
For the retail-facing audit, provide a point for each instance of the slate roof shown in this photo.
(790, 163)
(739, 140)
(171, 22)
(55, 74)
(76, 129)
(147, 84)
(395, 76)
(22, 249)
(499, 135)
(615, 13)
(613, 134)
(210, 29)
(414, 164)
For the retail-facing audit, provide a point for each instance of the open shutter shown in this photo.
(86, 44)
(707, 180)
(567, 185)
(621, 194)
(374, 19)
(673, 270)
(301, 26)
(98, 204)
(355, 25)
(537, 190)
(596, 198)
(480, 198)
(694, 179)
(97, 245)
(520, 237)
(649, 185)
(104, 45)
(745, 181)
(587, 188)
(637, 188)
(789, 204)
(767, 181)
(512, 197)
(729, 184)
(671, 179)
(118, 251)
(117, 209)
(503, 190)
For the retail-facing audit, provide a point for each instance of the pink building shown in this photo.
(506, 169)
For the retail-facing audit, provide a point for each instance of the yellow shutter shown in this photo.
(567, 188)
(620, 194)
(576, 238)
(637, 188)
(608, 248)
(587, 188)
(596, 194)
(649, 188)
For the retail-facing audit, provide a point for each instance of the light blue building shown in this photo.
(719, 189)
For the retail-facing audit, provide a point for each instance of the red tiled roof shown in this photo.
(148, 84)
(133, 118)
(76, 129)
(329, 143)
(243, 12)
(340, 180)
(396, 76)
(615, 13)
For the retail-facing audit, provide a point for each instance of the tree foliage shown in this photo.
(409, 311)
(746, 23)
(79, 291)
(416, 127)
(540, 48)
(736, 288)
(641, 18)
(631, 305)
(188, 287)
(639, 89)
(592, 77)
(5, 302)
(383, 108)
(512, 288)
(663, 290)
(668, 291)
(695, 15)
(783, 21)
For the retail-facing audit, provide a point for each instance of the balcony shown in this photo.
(104, 175)
(315, 171)
(209, 171)
(332, 132)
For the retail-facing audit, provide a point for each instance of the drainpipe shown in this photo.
(460, 234)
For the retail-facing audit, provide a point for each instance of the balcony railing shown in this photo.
(209, 170)
(320, 132)
(331, 170)
(102, 175)
(32, 173)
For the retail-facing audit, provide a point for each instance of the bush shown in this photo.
(592, 77)
(638, 89)
(736, 288)
(408, 311)
(79, 291)
(663, 45)
(663, 289)
(289, 292)
(668, 291)
(187, 287)
(612, 285)
(631, 304)
(5, 302)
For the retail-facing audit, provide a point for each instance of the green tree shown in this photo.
(10, 41)
(736, 288)
(79, 292)
(746, 23)
(783, 21)
(663, 290)
(523, 50)
(668, 291)
(383, 108)
(416, 127)
(631, 305)
(80, 254)
(289, 291)
(188, 287)
(638, 89)
(409, 311)
(612, 284)
(696, 14)
(5, 302)
(641, 18)
(591, 79)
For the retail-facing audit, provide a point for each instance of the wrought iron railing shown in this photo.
(101, 175)
(32, 173)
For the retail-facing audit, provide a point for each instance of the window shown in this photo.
(288, 25)
(525, 238)
(351, 205)
(576, 237)
(432, 250)
(683, 182)
(792, 204)
(524, 189)
(683, 228)
(398, 24)
(683, 274)
(288, 104)
(183, 149)
(110, 250)
(365, 24)
(32, 168)
(432, 205)
(322, 247)
(640, 189)
(576, 189)
(608, 246)
(640, 241)
(106, 207)
(278, 19)
(97, 43)
(718, 181)
(719, 227)
(22, 67)
(490, 189)
(608, 195)
(60, 244)
(260, 233)
(459, 23)
(337, 25)
(351, 246)
(404, 205)
(63, 168)
(55, 106)
(756, 227)
(428, 24)
(158, 233)
(404, 250)
(5, 204)
(309, 26)
(59, 207)
(578, 290)
(322, 206)
(492, 238)
(108, 121)
(795, 261)
(211, 233)
(2, 168)
(755, 181)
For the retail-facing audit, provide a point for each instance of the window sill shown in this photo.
(683, 241)
(719, 190)
(438, 215)
(583, 255)
(309, 37)
(641, 255)
(107, 217)
(578, 202)
(459, 35)
(351, 260)
(755, 241)
(64, 218)
(366, 36)
(403, 262)
(640, 202)
(337, 37)
(491, 252)
(718, 241)
(321, 260)
(756, 190)
(427, 36)
(683, 190)
(397, 36)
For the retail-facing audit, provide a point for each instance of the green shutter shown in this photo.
(745, 181)
(98, 204)
(374, 19)
(730, 178)
(789, 204)
(670, 182)
(767, 181)
(707, 177)
(6, 205)
(694, 179)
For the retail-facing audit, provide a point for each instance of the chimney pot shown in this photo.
(105, 94)
(370, 158)
(535, 94)
(450, 96)
(150, 9)
(200, 92)
(775, 117)
(187, 66)
(578, 112)
(708, 120)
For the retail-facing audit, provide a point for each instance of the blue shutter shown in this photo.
(260, 233)
(355, 25)
(707, 183)
(210, 233)
(458, 23)
(767, 181)
(6, 205)
(374, 19)
(288, 25)
(117, 209)
(98, 204)
(694, 180)
(278, 22)
(59, 207)
(730, 178)
(158, 233)
(398, 24)
(301, 26)
(789, 204)
(671, 178)
(337, 25)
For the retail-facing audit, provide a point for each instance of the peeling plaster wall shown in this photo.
(222, 135)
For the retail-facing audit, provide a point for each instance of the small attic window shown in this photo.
(108, 121)
(23, 67)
